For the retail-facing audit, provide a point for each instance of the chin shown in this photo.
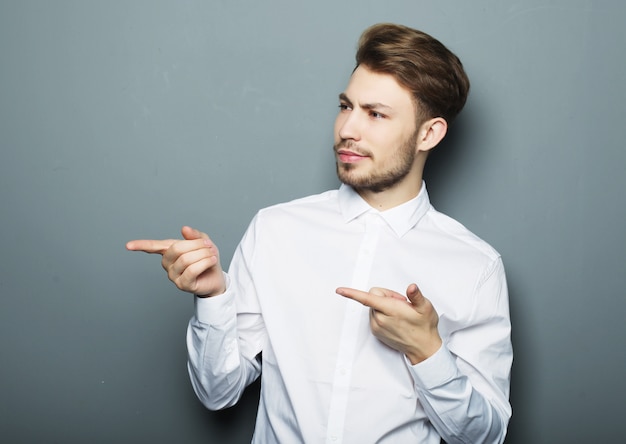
(346, 174)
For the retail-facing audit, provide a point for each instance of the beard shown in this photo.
(382, 177)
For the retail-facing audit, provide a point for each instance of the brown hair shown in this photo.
(421, 64)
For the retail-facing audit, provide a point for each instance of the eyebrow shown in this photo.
(377, 105)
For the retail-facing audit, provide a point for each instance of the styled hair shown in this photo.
(421, 64)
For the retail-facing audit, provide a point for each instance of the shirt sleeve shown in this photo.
(464, 387)
(226, 336)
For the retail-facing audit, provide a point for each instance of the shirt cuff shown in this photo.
(435, 371)
(214, 310)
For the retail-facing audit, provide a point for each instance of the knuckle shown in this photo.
(172, 276)
(179, 284)
(183, 283)
(175, 249)
(184, 261)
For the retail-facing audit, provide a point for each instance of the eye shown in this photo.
(377, 115)
(344, 107)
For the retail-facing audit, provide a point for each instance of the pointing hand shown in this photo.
(192, 263)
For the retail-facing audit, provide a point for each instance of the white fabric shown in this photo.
(326, 378)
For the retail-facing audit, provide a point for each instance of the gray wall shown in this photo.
(129, 119)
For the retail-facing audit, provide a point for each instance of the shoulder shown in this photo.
(326, 201)
(287, 222)
(454, 235)
(469, 272)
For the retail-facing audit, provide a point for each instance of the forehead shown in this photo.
(368, 87)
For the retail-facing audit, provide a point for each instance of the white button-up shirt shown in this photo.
(325, 377)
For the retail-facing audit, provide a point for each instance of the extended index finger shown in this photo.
(152, 246)
(377, 302)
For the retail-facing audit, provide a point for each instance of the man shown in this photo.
(341, 363)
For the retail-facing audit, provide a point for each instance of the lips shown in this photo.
(349, 156)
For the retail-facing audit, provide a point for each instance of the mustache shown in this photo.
(351, 146)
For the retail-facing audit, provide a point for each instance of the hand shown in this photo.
(408, 325)
(193, 264)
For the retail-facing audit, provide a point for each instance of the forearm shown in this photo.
(218, 369)
(457, 410)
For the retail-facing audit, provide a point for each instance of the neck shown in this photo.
(394, 196)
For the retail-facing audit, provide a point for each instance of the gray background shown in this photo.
(121, 120)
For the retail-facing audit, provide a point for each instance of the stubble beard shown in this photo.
(383, 177)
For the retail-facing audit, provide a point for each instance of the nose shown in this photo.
(347, 126)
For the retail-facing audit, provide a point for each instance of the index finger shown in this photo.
(377, 302)
(151, 246)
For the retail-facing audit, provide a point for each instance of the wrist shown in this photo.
(213, 293)
(221, 285)
(419, 355)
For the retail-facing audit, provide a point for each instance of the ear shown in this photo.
(431, 133)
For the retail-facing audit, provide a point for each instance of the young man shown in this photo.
(425, 353)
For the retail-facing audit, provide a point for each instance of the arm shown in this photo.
(463, 384)
(475, 364)
(219, 367)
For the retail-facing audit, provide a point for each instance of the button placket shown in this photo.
(350, 331)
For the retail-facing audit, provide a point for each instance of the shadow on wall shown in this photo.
(447, 158)
(519, 373)
(235, 424)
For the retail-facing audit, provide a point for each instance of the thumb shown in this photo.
(192, 234)
(414, 294)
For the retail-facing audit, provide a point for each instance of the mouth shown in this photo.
(348, 156)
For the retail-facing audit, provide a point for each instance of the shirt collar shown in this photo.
(401, 218)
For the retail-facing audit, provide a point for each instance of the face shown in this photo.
(375, 132)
